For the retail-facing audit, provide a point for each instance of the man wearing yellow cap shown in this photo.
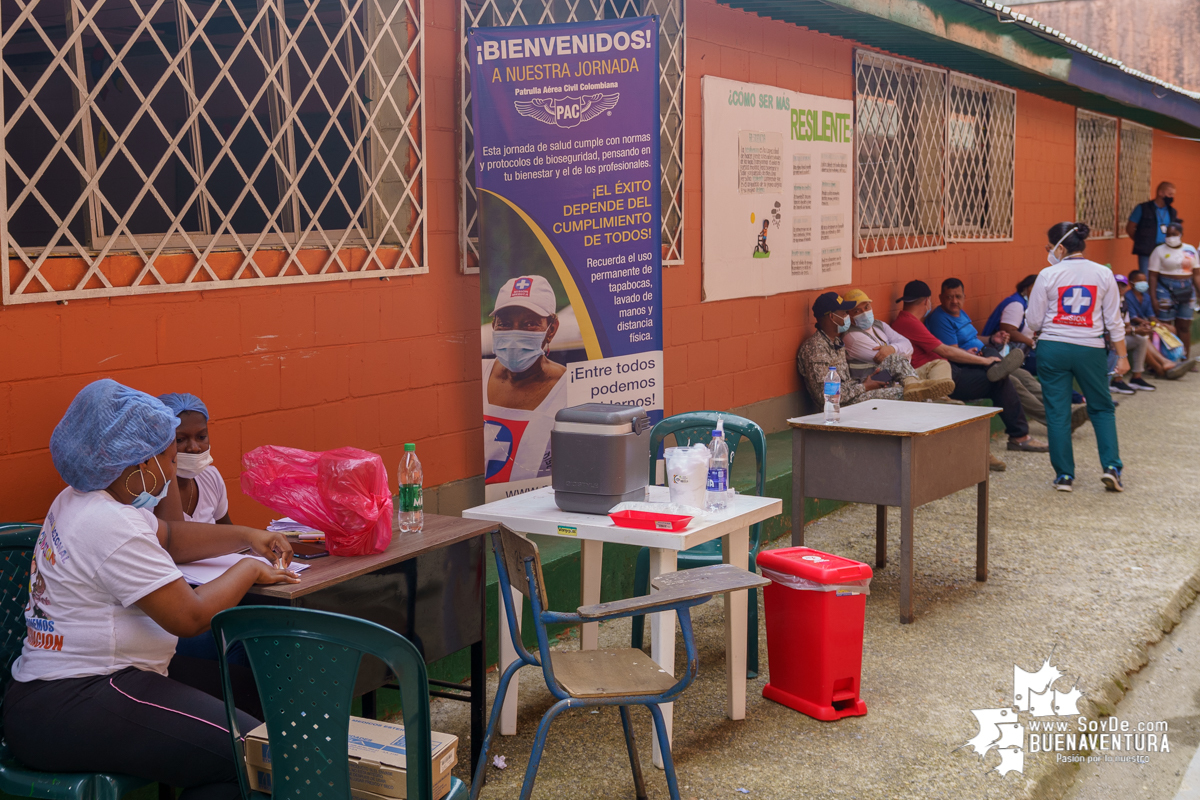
(869, 341)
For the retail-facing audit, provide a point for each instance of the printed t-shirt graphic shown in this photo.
(516, 442)
(1076, 305)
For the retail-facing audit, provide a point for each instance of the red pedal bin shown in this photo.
(815, 607)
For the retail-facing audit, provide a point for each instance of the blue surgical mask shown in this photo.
(1141, 286)
(845, 326)
(147, 500)
(865, 320)
(518, 350)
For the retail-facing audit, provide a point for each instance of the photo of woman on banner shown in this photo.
(522, 388)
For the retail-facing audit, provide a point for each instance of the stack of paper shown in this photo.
(289, 525)
(198, 573)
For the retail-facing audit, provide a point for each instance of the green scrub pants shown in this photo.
(1058, 364)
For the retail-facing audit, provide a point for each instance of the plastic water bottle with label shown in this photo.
(412, 500)
(718, 469)
(833, 397)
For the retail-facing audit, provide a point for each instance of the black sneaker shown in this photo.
(1141, 384)
(1064, 483)
(1120, 387)
(1112, 480)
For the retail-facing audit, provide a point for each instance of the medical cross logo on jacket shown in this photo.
(501, 438)
(521, 288)
(1076, 305)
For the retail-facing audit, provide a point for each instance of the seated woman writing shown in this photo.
(90, 690)
(198, 492)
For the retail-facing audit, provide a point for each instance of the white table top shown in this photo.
(896, 418)
(535, 512)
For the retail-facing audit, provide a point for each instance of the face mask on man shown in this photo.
(844, 325)
(1168, 200)
(189, 465)
(1141, 287)
(865, 320)
(145, 499)
(518, 350)
(1174, 241)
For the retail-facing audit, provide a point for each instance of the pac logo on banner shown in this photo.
(501, 440)
(569, 111)
(1076, 306)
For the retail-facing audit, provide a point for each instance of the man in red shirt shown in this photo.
(975, 377)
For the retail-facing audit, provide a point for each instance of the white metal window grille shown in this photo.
(1096, 173)
(981, 125)
(1133, 164)
(501, 13)
(900, 131)
(176, 145)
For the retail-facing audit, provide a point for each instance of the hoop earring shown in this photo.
(144, 489)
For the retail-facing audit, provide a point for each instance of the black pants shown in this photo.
(131, 722)
(971, 383)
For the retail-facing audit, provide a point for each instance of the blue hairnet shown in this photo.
(179, 402)
(107, 428)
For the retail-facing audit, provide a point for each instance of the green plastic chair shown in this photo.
(17, 541)
(305, 663)
(690, 428)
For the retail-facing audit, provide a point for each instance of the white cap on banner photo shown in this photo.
(528, 291)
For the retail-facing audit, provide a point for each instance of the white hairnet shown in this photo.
(107, 428)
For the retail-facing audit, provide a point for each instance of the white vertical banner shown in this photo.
(778, 190)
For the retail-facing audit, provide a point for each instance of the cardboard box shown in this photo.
(377, 760)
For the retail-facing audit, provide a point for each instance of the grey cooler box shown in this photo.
(600, 453)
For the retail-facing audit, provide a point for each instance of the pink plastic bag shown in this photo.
(342, 492)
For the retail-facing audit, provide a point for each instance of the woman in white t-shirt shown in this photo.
(90, 691)
(198, 492)
(1174, 278)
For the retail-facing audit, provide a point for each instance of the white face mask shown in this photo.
(189, 465)
(1053, 256)
(1174, 241)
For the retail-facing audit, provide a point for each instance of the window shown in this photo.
(1096, 172)
(192, 134)
(900, 127)
(498, 13)
(980, 140)
(1137, 150)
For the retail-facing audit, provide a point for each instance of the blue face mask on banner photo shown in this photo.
(518, 350)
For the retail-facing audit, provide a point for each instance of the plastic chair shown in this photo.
(305, 663)
(17, 541)
(611, 677)
(693, 427)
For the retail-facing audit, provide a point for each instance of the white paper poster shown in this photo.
(778, 190)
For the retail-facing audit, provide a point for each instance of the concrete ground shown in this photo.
(1093, 578)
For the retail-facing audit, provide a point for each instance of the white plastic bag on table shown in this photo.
(805, 585)
(687, 474)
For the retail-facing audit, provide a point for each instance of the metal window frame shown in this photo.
(672, 157)
(925, 134)
(1096, 172)
(357, 251)
(1134, 180)
(998, 146)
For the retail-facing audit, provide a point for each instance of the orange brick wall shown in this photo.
(375, 364)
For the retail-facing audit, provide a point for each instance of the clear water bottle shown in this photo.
(718, 469)
(412, 501)
(833, 397)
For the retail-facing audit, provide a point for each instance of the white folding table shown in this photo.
(536, 513)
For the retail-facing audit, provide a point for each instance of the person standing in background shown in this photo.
(1148, 223)
(1073, 304)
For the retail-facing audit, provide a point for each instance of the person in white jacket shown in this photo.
(1074, 304)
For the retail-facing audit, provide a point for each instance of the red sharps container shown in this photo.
(815, 607)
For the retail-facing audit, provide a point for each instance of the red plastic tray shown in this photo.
(649, 520)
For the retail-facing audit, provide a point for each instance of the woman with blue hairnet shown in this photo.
(198, 492)
(90, 690)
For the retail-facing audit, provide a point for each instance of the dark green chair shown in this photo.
(690, 428)
(17, 541)
(305, 664)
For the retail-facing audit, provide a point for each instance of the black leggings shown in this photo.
(131, 722)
